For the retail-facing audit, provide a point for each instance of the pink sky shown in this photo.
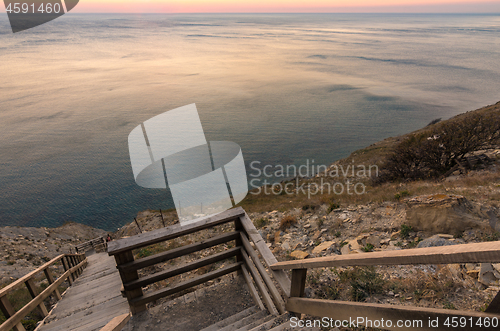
(284, 6)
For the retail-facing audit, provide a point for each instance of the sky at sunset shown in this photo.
(286, 6)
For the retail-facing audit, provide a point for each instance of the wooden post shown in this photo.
(8, 311)
(298, 284)
(494, 306)
(66, 268)
(238, 243)
(33, 292)
(137, 223)
(71, 265)
(128, 276)
(50, 279)
(162, 220)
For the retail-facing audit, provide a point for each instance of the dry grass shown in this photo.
(287, 222)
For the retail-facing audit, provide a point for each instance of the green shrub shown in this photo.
(364, 281)
(259, 223)
(405, 231)
(368, 248)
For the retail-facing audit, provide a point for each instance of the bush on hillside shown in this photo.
(431, 153)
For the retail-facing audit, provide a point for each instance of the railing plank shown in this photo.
(346, 311)
(9, 311)
(178, 252)
(144, 281)
(171, 232)
(251, 288)
(487, 252)
(34, 293)
(266, 253)
(186, 284)
(494, 306)
(117, 323)
(280, 304)
(66, 265)
(21, 313)
(262, 288)
(50, 279)
(23, 279)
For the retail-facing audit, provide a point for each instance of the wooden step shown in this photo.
(232, 319)
(282, 327)
(256, 324)
(245, 321)
(276, 321)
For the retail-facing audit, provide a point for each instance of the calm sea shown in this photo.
(286, 88)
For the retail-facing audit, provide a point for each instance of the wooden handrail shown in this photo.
(14, 318)
(156, 277)
(178, 252)
(128, 266)
(28, 276)
(246, 260)
(487, 252)
(278, 300)
(172, 232)
(418, 318)
(90, 244)
(265, 252)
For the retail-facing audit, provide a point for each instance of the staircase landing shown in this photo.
(92, 301)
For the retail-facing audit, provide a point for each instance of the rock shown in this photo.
(456, 271)
(374, 240)
(488, 275)
(395, 235)
(354, 244)
(470, 267)
(285, 246)
(300, 255)
(317, 235)
(346, 249)
(435, 241)
(442, 213)
(385, 241)
(323, 246)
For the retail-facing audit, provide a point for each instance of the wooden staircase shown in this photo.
(254, 319)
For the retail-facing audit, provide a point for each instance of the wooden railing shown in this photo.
(341, 310)
(246, 260)
(73, 266)
(91, 244)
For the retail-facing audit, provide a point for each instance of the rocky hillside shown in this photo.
(24, 249)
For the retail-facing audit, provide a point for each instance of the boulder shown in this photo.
(435, 241)
(442, 213)
(488, 275)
